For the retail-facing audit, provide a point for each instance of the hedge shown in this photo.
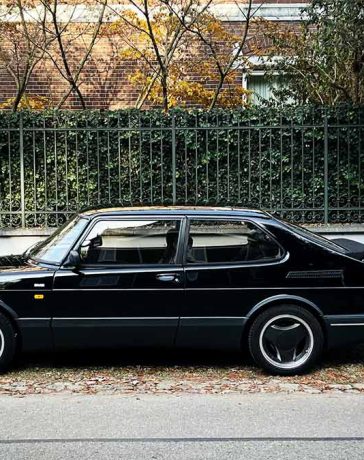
(302, 163)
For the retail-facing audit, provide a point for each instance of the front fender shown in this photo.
(8, 310)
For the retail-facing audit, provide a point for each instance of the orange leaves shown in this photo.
(179, 57)
(27, 102)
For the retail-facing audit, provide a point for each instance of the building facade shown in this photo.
(105, 79)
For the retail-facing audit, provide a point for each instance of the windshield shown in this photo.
(316, 238)
(56, 247)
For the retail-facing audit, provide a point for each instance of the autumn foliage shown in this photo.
(178, 58)
(176, 52)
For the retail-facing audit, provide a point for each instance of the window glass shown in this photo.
(126, 242)
(55, 248)
(266, 88)
(315, 237)
(228, 241)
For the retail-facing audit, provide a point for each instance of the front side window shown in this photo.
(229, 241)
(132, 242)
(55, 248)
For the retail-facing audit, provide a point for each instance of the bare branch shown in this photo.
(87, 54)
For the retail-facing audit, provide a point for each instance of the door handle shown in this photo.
(168, 277)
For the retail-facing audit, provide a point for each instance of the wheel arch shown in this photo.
(285, 299)
(11, 315)
(4, 308)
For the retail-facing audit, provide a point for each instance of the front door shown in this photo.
(129, 288)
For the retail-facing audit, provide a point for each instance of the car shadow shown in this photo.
(166, 358)
(159, 358)
(344, 356)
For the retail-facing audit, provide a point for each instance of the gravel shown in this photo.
(161, 372)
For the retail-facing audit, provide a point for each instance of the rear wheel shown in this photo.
(7, 343)
(286, 340)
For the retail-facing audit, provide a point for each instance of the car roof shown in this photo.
(176, 210)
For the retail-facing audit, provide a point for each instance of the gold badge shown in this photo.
(39, 296)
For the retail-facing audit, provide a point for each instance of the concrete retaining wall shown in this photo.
(17, 241)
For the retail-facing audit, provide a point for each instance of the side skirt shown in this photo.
(36, 334)
(216, 332)
(344, 330)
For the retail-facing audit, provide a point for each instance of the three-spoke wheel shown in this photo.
(286, 340)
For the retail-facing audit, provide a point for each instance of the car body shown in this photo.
(183, 277)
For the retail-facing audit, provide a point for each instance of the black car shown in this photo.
(217, 278)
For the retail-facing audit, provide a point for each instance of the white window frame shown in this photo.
(258, 61)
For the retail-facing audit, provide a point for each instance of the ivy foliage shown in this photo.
(302, 163)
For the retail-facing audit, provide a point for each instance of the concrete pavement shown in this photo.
(182, 427)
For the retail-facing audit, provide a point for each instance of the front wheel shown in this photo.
(286, 340)
(7, 343)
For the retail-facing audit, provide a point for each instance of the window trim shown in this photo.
(94, 222)
(252, 263)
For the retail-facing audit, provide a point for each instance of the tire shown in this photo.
(7, 343)
(286, 340)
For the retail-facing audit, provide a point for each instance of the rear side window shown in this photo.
(229, 241)
(315, 238)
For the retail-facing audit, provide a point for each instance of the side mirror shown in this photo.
(73, 260)
(84, 250)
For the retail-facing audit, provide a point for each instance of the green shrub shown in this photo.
(265, 157)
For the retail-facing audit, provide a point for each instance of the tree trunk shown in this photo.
(165, 92)
(217, 92)
(18, 98)
(21, 87)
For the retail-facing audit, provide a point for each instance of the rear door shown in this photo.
(129, 288)
(231, 264)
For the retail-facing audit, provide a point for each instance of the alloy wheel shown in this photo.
(286, 341)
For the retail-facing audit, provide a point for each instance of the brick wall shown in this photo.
(105, 79)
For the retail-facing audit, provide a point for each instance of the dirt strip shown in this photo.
(161, 373)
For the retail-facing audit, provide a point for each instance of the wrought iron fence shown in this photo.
(303, 164)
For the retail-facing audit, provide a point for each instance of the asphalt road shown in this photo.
(249, 426)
